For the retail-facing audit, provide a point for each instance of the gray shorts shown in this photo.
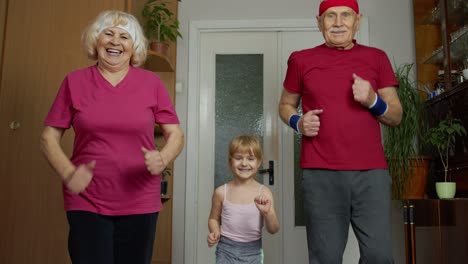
(233, 252)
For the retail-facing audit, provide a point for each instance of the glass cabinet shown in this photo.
(441, 39)
(441, 36)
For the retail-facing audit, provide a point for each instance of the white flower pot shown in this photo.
(465, 74)
(446, 190)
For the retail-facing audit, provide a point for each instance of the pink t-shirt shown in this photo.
(349, 136)
(111, 125)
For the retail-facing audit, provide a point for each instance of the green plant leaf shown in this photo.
(161, 24)
(442, 137)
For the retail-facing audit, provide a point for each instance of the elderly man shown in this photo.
(346, 90)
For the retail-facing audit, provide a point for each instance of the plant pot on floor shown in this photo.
(446, 190)
(415, 185)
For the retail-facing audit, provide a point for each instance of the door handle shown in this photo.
(270, 171)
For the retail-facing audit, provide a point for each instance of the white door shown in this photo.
(239, 77)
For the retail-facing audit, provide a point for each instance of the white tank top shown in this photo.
(241, 222)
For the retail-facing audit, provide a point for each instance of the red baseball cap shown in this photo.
(325, 4)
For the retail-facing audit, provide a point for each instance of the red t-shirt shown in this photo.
(111, 125)
(349, 136)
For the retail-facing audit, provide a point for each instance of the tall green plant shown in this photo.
(443, 138)
(161, 23)
(401, 142)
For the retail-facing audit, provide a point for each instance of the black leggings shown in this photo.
(100, 239)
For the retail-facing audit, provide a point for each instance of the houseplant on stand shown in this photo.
(161, 25)
(442, 137)
(408, 169)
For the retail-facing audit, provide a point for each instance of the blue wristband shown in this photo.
(294, 122)
(379, 108)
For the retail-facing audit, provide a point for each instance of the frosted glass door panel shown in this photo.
(239, 105)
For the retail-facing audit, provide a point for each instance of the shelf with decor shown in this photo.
(458, 49)
(157, 62)
(450, 17)
(453, 103)
(457, 10)
(165, 197)
(449, 20)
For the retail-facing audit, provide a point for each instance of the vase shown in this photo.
(160, 47)
(446, 190)
(415, 186)
(465, 74)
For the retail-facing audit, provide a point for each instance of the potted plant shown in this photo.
(161, 25)
(408, 169)
(442, 137)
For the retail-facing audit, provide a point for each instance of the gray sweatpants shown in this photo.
(233, 252)
(335, 199)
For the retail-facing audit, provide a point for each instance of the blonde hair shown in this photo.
(246, 144)
(112, 18)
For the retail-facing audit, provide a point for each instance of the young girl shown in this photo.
(241, 207)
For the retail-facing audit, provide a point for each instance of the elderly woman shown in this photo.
(111, 183)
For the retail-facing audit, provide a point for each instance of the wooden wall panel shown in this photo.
(41, 45)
